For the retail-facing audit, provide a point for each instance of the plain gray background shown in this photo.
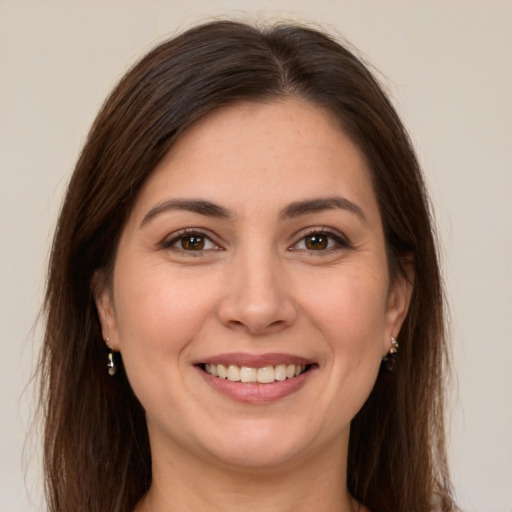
(448, 66)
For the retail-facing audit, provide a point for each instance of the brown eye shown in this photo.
(316, 242)
(322, 242)
(193, 243)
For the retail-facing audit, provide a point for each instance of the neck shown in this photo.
(183, 482)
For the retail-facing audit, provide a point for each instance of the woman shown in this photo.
(244, 239)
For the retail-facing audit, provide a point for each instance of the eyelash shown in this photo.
(171, 243)
(340, 242)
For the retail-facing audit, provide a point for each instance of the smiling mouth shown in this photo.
(248, 375)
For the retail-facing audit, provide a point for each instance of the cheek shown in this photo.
(158, 313)
(349, 308)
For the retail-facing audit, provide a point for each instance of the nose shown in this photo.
(257, 297)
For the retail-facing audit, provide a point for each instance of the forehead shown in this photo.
(263, 155)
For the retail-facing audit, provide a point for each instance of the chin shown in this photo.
(256, 457)
(260, 445)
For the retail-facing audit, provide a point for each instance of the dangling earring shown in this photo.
(111, 364)
(394, 347)
(390, 358)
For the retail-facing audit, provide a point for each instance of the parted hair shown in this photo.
(96, 447)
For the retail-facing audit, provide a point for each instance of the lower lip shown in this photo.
(254, 392)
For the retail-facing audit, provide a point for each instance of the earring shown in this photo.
(390, 358)
(394, 347)
(111, 364)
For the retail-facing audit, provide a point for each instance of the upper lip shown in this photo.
(255, 360)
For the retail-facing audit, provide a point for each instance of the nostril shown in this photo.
(255, 313)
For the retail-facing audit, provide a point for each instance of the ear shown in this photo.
(102, 293)
(399, 299)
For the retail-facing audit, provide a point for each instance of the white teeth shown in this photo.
(247, 374)
(264, 375)
(233, 373)
(222, 371)
(280, 371)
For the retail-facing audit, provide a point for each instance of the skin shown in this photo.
(258, 285)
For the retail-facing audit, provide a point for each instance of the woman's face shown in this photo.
(254, 249)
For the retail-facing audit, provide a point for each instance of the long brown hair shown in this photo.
(96, 446)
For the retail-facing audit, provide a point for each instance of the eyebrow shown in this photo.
(295, 209)
(320, 204)
(199, 206)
